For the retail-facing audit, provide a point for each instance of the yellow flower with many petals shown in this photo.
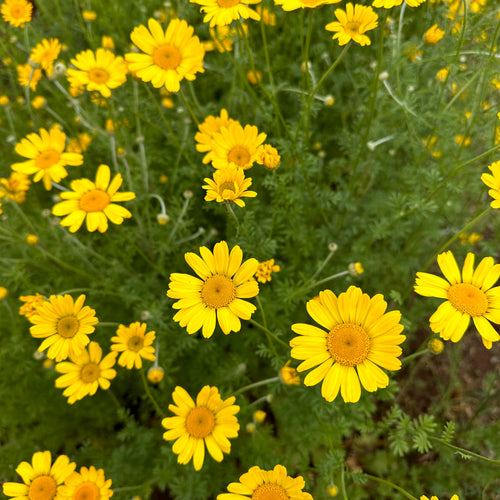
(269, 157)
(229, 185)
(302, 4)
(45, 53)
(134, 344)
(353, 23)
(28, 76)
(434, 497)
(16, 12)
(388, 4)
(88, 484)
(493, 182)
(224, 12)
(31, 303)
(15, 187)
(207, 423)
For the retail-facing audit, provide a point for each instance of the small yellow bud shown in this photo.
(89, 15)
(329, 100)
(436, 346)
(4, 100)
(155, 374)
(288, 375)
(250, 427)
(254, 77)
(3, 292)
(259, 416)
(107, 43)
(332, 490)
(163, 179)
(38, 102)
(355, 268)
(162, 219)
(32, 239)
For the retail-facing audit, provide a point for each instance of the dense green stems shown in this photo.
(256, 384)
(150, 396)
(392, 485)
(466, 452)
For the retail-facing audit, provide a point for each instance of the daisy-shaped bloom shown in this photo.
(302, 4)
(64, 324)
(28, 76)
(493, 182)
(47, 157)
(85, 373)
(434, 497)
(134, 344)
(93, 202)
(42, 479)
(229, 185)
(100, 70)
(45, 53)
(170, 56)
(353, 23)
(15, 187)
(219, 294)
(16, 12)
(88, 484)
(389, 4)
(469, 295)
(433, 35)
(208, 422)
(224, 12)
(235, 146)
(31, 303)
(266, 484)
(359, 336)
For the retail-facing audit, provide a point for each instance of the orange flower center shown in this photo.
(135, 343)
(47, 159)
(17, 11)
(87, 491)
(227, 185)
(42, 488)
(270, 491)
(310, 3)
(218, 291)
(94, 201)
(90, 373)
(167, 56)
(227, 4)
(348, 344)
(468, 299)
(239, 155)
(98, 75)
(352, 28)
(67, 326)
(200, 422)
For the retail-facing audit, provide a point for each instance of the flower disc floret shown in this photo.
(224, 12)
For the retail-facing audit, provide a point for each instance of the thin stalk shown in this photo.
(392, 485)
(410, 357)
(231, 213)
(142, 150)
(270, 334)
(306, 287)
(466, 452)
(261, 309)
(179, 219)
(256, 384)
(150, 396)
(342, 484)
(189, 108)
(305, 59)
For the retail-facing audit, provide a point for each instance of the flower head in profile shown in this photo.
(46, 156)
(134, 344)
(224, 12)
(289, 375)
(207, 423)
(303, 4)
(229, 185)
(389, 4)
(262, 484)
(28, 76)
(16, 12)
(269, 157)
(434, 497)
(42, 479)
(169, 56)
(469, 295)
(93, 202)
(353, 23)
(15, 187)
(88, 484)
(433, 35)
(31, 303)
(360, 338)
(219, 292)
(85, 373)
(45, 53)
(493, 182)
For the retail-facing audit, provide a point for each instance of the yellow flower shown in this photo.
(469, 295)
(38, 102)
(254, 77)
(218, 295)
(27, 75)
(359, 337)
(259, 416)
(107, 42)
(31, 303)
(15, 187)
(221, 39)
(155, 374)
(461, 140)
(134, 344)
(436, 346)
(92, 202)
(433, 497)
(493, 182)
(355, 268)
(267, 16)
(433, 35)
(353, 23)
(3, 292)
(45, 53)
(265, 269)
(88, 484)
(289, 5)
(32, 239)
(442, 74)
(170, 56)
(332, 490)
(224, 12)
(229, 185)
(388, 4)
(80, 144)
(16, 12)
(89, 15)
(288, 375)
(266, 484)
(4, 100)
(269, 157)
(208, 422)
(42, 479)
(86, 373)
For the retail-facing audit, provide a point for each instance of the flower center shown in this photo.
(135, 343)
(167, 56)
(218, 291)
(348, 344)
(87, 491)
(227, 185)
(17, 11)
(98, 75)
(90, 373)
(310, 3)
(352, 28)
(226, 4)
(47, 159)
(94, 201)
(42, 488)
(200, 422)
(468, 299)
(67, 326)
(239, 156)
(270, 491)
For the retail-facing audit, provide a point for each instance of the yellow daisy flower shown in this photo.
(86, 373)
(170, 56)
(16, 12)
(359, 336)
(262, 484)
(229, 185)
(269, 157)
(27, 75)
(15, 187)
(218, 295)
(93, 202)
(100, 70)
(388, 4)
(289, 375)
(88, 484)
(31, 303)
(134, 344)
(302, 4)
(469, 295)
(42, 479)
(224, 12)
(45, 53)
(353, 23)
(235, 146)
(208, 422)
(493, 181)
(64, 324)
(47, 157)
(433, 35)
(434, 497)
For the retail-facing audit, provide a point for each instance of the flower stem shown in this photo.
(270, 334)
(189, 108)
(342, 483)
(465, 452)
(417, 354)
(150, 396)
(392, 485)
(256, 384)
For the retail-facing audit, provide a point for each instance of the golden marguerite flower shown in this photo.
(434, 497)
(93, 202)
(353, 23)
(47, 157)
(208, 422)
(100, 70)
(28, 76)
(269, 157)
(217, 295)
(265, 270)
(134, 344)
(42, 479)
(289, 375)
(15, 187)
(64, 324)
(302, 4)
(389, 4)
(471, 294)
(16, 12)
(359, 336)
(88, 484)
(433, 35)
(229, 185)
(224, 12)
(86, 373)
(235, 146)
(31, 303)
(259, 484)
(493, 182)
(45, 53)
(170, 56)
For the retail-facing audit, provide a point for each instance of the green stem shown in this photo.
(305, 288)
(142, 150)
(114, 324)
(179, 219)
(392, 485)
(150, 396)
(230, 211)
(305, 59)
(256, 384)
(417, 354)
(261, 309)
(189, 108)
(466, 452)
(270, 334)
(342, 483)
